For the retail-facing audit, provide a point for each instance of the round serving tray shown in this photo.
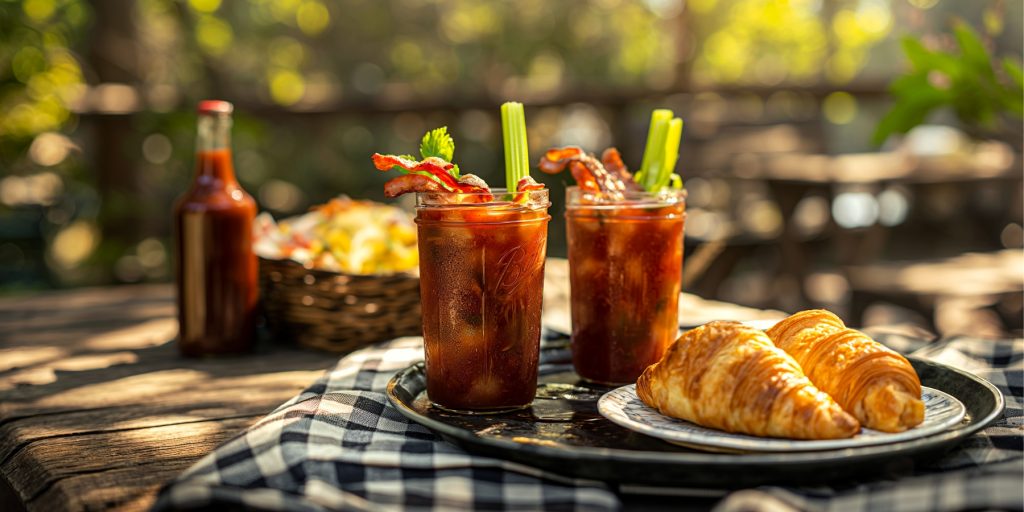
(564, 433)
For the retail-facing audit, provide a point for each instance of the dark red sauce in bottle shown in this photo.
(215, 263)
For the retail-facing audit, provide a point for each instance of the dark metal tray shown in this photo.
(563, 433)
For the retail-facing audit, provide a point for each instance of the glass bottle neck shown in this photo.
(213, 132)
(213, 149)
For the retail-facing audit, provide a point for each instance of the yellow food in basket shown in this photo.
(344, 235)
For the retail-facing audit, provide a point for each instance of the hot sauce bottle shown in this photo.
(216, 266)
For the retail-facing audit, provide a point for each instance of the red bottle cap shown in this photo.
(215, 107)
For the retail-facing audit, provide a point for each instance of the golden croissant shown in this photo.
(872, 382)
(729, 376)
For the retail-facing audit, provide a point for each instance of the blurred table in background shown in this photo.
(831, 212)
(973, 293)
(98, 410)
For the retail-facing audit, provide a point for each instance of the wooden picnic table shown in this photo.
(98, 410)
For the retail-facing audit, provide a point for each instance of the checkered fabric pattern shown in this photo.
(340, 445)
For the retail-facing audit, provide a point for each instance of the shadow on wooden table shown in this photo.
(97, 409)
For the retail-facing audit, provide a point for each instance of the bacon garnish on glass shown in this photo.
(589, 172)
(524, 187)
(612, 161)
(407, 183)
(428, 175)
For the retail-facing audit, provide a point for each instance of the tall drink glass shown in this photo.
(481, 287)
(625, 268)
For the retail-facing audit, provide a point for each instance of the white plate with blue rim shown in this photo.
(623, 407)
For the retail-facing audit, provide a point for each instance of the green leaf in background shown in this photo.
(1014, 71)
(919, 56)
(964, 81)
(438, 143)
(924, 59)
(1014, 102)
(972, 49)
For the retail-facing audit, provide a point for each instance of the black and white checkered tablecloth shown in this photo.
(340, 445)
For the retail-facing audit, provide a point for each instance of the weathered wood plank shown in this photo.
(127, 490)
(98, 410)
(35, 469)
(151, 381)
(205, 405)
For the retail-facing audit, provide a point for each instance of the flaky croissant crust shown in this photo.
(875, 384)
(729, 376)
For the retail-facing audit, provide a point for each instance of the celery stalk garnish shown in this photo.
(517, 154)
(661, 152)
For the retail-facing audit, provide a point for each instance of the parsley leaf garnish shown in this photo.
(438, 143)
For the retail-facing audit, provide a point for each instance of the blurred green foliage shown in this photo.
(964, 80)
(39, 75)
(320, 85)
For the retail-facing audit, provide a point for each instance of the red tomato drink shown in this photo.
(625, 269)
(481, 288)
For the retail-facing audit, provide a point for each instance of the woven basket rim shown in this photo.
(331, 273)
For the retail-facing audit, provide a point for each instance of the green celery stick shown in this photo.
(517, 154)
(506, 141)
(671, 148)
(655, 144)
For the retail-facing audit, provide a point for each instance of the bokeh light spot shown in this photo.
(893, 207)
(840, 107)
(993, 20)
(407, 56)
(205, 6)
(874, 18)
(39, 10)
(49, 149)
(213, 35)
(157, 148)
(280, 195)
(286, 87)
(74, 244)
(1012, 236)
(811, 215)
(312, 18)
(152, 253)
(855, 210)
(761, 217)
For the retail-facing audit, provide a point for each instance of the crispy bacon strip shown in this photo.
(555, 160)
(528, 183)
(411, 183)
(475, 189)
(589, 173)
(523, 188)
(432, 165)
(612, 161)
(471, 183)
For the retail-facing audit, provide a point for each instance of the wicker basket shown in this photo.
(337, 312)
